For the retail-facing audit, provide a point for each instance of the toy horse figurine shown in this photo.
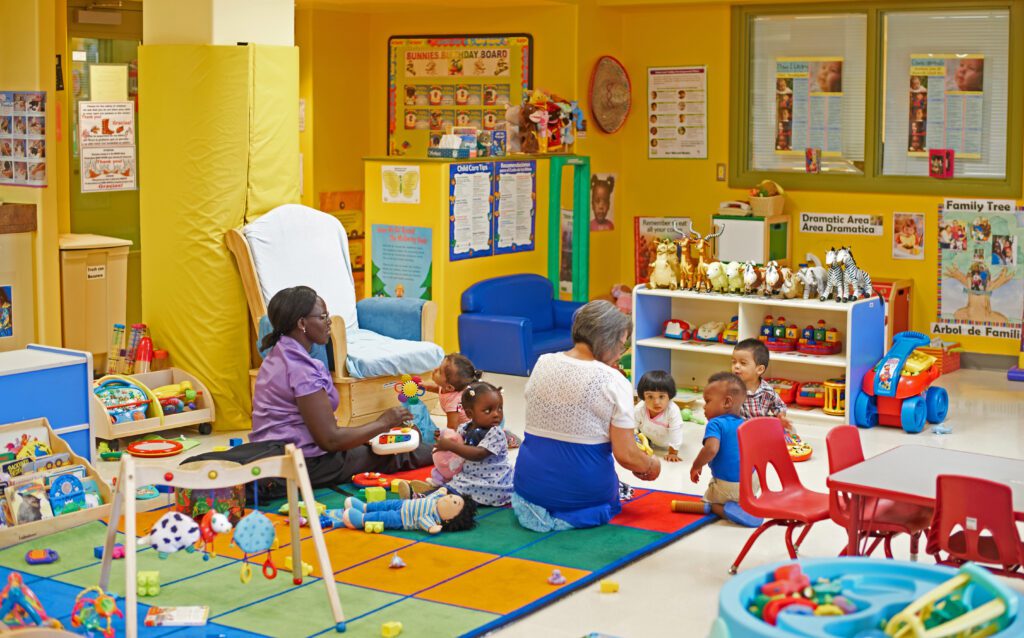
(857, 281)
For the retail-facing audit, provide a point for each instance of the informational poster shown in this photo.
(6, 311)
(677, 112)
(809, 105)
(471, 196)
(602, 202)
(565, 255)
(106, 132)
(108, 82)
(647, 231)
(515, 206)
(400, 184)
(22, 138)
(981, 270)
(842, 224)
(438, 82)
(908, 236)
(401, 262)
(947, 100)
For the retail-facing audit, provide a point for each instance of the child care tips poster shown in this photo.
(808, 105)
(981, 271)
(401, 262)
(947, 97)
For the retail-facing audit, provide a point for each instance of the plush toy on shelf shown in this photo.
(664, 271)
(717, 277)
(734, 276)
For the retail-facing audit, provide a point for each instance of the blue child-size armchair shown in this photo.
(508, 322)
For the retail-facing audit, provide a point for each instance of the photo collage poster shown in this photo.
(809, 105)
(23, 138)
(677, 112)
(947, 100)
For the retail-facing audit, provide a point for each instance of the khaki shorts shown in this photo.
(721, 492)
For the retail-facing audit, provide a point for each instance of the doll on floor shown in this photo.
(436, 512)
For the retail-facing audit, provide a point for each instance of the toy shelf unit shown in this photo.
(155, 413)
(860, 326)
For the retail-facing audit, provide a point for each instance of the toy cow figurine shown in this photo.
(172, 532)
(663, 274)
(773, 279)
(734, 276)
(753, 278)
(717, 277)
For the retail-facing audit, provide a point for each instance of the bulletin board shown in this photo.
(440, 81)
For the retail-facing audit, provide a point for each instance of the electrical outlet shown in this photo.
(720, 172)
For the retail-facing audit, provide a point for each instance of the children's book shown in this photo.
(177, 616)
(29, 503)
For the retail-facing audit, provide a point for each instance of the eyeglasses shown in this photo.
(323, 316)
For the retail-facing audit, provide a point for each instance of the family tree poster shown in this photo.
(946, 102)
(981, 274)
(401, 261)
(808, 105)
(22, 138)
(677, 112)
(435, 82)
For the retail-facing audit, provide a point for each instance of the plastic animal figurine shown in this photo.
(773, 279)
(856, 280)
(687, 262)
(792, 287)
(172, 532)
(716, 276)
(662, 274)
(734, 276)
(753, 278)
(834, 284)
(812, 278)
(703, 259)
(210, 525)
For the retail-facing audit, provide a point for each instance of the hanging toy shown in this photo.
(410, 389)
(210, 525)
(92, 613)
(255, 534)
(172, 532)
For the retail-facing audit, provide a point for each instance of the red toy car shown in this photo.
(898, 392)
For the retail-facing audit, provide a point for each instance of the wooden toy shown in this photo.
(147, 583)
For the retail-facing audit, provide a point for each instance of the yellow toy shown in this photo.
(609, 586)
(148, 583)
(917, 363)
(955, 619)
(307, 569)
(643, 443)
(374, 494)
(390, 629)
(373, 527)
(320, 509)
(183, 390)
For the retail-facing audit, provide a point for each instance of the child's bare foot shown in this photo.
(673, 457)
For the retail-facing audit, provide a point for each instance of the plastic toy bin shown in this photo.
(94, 291)
(880, 589)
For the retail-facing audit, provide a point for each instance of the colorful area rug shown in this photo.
(462, 583)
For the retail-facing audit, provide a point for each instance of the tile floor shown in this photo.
(676, 589)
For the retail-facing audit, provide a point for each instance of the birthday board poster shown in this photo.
(808, 105)
(6, 312)
(22, 138)
(647, 232)
(947, 98)
(436, 83)
(401, 261)
(981, 269)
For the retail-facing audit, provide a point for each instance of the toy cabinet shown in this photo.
(757, 239)
(860, 326)
(155, 417)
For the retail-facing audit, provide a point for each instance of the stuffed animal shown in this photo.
(812, 278)
(432, 513)
(662, 274)
(773, 279)
(623, 298)
(717, 277)
(753, 278)
(172, 532)
(835, 286)
(513, 116)
(792, 287)
(448, 464)
(529, 131)
(734, 275)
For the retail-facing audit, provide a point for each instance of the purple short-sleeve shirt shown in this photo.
(287, 373)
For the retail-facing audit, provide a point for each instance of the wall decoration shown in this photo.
(400, 184)
(106, 136)
(565, 255)
(6, 311)
(436, 81)
(809, 105)
(677, 112)
(515, 206)
(947, 101)
(23, 138)
(402, 262)
(610, 94)
(981, 270)
(647, 230)
(470, 196)
(602, 202)
(908, 236)
(841, 224)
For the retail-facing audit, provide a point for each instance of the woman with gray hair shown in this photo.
(579, 423)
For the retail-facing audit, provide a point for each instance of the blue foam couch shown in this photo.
(508, 322)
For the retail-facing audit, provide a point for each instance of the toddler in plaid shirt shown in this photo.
(749, 361)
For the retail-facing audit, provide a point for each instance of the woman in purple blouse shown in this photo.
(295, 398)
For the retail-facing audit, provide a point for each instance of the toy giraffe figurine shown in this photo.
(701, 282)
(687, 263)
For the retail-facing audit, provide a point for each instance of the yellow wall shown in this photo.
(28, 31)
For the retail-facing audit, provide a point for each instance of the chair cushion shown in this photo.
(527, 296)
(374, 355)
(551, 341)
(294, 245)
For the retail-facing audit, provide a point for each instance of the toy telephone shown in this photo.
(397, 441)
(734, 207)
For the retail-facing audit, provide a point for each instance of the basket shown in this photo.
(945, 358)
(767, 206)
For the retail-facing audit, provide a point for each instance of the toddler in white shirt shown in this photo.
(657, 416)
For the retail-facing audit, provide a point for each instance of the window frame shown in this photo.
(741, 175)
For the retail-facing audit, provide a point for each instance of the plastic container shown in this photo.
(161, 361)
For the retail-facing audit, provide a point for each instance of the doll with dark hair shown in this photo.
(433, 513)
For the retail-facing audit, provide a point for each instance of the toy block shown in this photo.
(147, 583)
(390, 629)
(609, 586)
(375, 493)
(307, 569)
(118, 552)
(373, 527)
(234, 442)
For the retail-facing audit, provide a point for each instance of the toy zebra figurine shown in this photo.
(856, 280)
(834, 282)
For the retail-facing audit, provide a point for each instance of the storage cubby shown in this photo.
(860, 324)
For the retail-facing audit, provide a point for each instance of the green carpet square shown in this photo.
(420, 619)
(590, 549)
(482, 514)
(305, 610)
(74, 545)
(175, 567)
(498, 533)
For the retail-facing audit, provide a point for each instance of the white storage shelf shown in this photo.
(861, 327)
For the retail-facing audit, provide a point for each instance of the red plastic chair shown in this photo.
(975, 506)
(883, 518)
(763, 444)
